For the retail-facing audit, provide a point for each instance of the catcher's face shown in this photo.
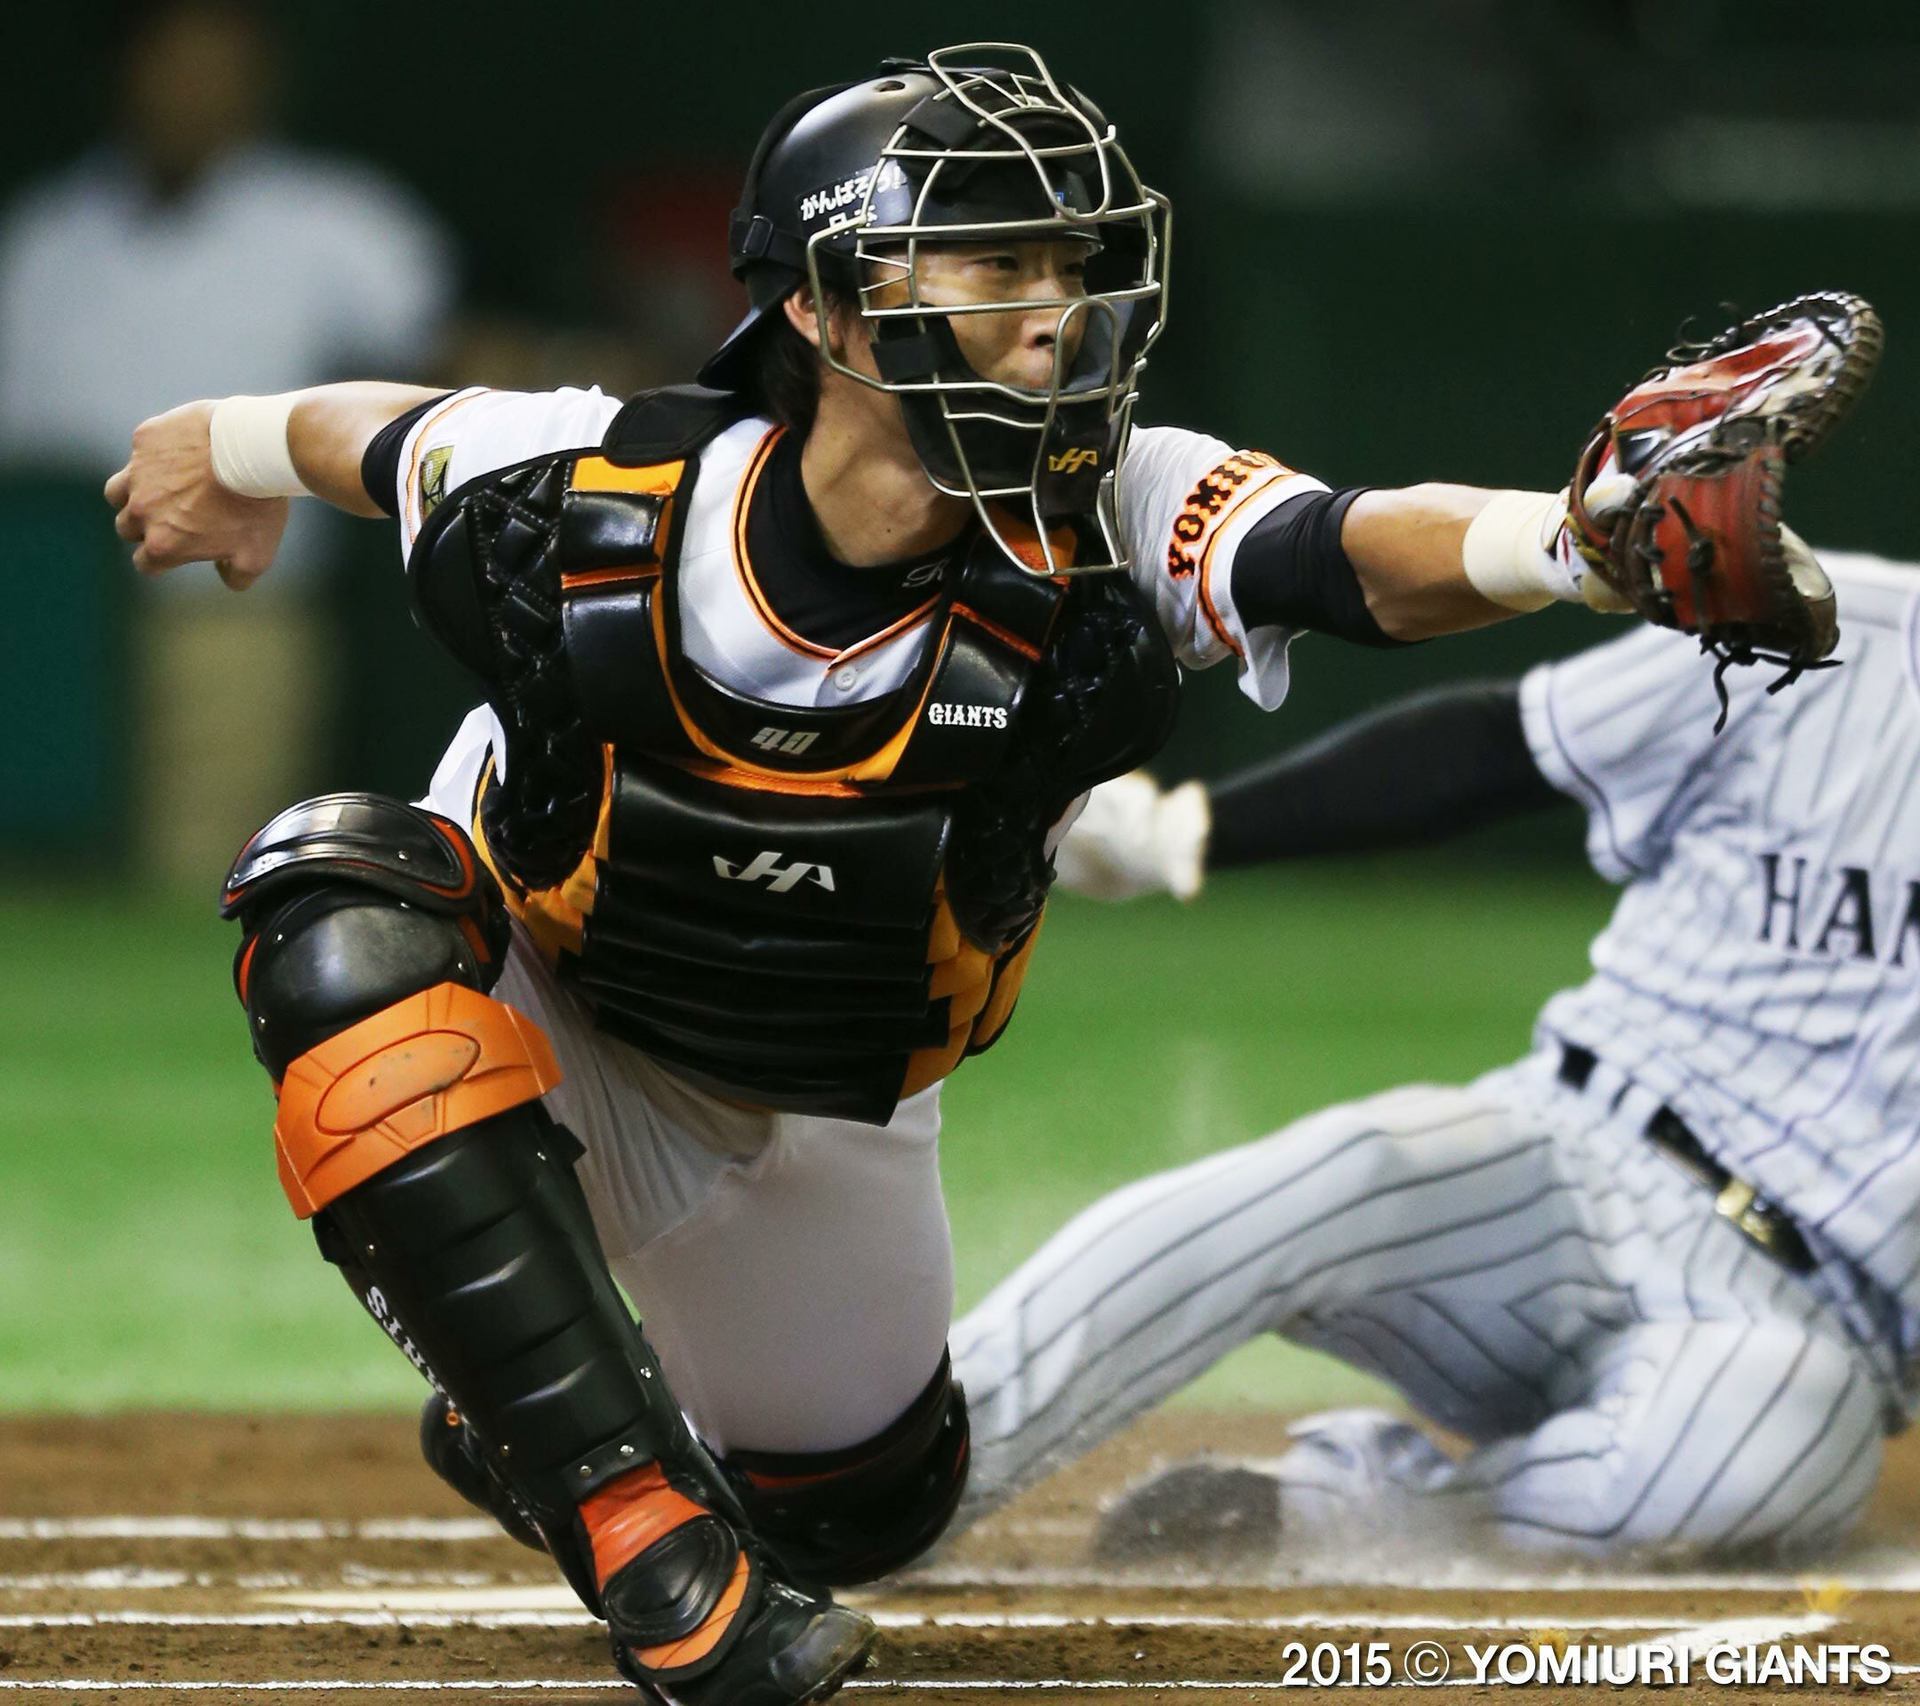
(1020, 345)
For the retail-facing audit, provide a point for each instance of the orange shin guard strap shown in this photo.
(632, 1513)
(629, 1514)
(426, 1066)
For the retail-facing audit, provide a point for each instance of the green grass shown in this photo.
(147, 1256)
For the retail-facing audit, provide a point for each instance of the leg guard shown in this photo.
(844, 1517)
(452, 1453)
(410, 1128)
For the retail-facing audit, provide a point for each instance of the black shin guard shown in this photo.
(478, 1258)
(410, 1121)
(840, 1518)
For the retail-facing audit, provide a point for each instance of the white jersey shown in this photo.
(1761, 975)
(1186, 500)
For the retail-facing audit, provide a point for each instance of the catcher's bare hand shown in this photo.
(169, 507)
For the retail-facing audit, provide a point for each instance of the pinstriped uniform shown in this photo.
(1515, 1256)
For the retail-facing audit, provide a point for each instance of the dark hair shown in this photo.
(786, 376)
(787, 368)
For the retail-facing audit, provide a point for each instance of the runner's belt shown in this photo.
(1768, 1228)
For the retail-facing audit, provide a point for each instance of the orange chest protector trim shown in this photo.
(758, 895)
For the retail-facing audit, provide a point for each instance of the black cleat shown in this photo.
(452, 1453)
(1208, 1514)
(698, 1615)
(794, 1649)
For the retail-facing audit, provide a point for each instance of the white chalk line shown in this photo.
(299, 1620)
(450, 1528)
(537, 1685)
(1883, 1569)
(325, 1685)
(130, 1578)
(1700, 1639)
(524, 1618)
(1897, 1575)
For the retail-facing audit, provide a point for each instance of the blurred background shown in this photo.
(1412, 241)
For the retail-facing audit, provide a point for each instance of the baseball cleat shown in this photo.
(697, 1618)
(794, 1650)
(452, 1453)
(1345, 1458)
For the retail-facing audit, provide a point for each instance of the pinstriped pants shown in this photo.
(1519, 1262)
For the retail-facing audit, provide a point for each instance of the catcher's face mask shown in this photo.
(1003, 203)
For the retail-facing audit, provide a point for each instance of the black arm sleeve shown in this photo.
(1424, 768)
(1291, 571)
(380, 461)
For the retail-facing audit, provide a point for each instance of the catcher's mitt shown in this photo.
(1676, 499)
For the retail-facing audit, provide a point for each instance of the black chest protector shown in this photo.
(814, 910)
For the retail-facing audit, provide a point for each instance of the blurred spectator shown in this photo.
(188, 255)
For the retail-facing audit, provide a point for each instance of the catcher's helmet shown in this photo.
(978, 144)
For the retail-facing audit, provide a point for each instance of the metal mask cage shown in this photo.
(1025, 122)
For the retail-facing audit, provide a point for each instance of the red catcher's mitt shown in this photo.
(1676, 499)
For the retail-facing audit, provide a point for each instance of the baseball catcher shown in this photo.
(792, 681)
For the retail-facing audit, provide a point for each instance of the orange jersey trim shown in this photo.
(876, 767)
(743, 559)
(912, 619)
(762, 605)
(1221, 493)
(427, 1066)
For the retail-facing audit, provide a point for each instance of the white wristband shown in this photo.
(250, 454)
(1511, 552)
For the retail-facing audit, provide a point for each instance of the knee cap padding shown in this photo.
(381, 855)
(414, 855)
(844, 1517)
(428, 1065)
(326, 958)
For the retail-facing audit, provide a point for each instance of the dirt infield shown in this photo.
(312, 1560)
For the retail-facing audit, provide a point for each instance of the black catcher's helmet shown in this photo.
(978, 144)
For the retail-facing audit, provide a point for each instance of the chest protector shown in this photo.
(814, 910)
